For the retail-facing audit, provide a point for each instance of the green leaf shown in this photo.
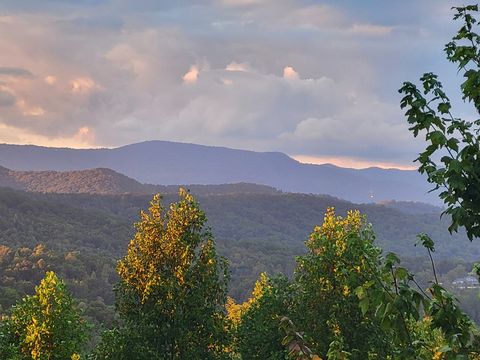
(437, 138)
(364, 305)
(401, 273)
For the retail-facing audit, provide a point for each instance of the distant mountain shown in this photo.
(162, 162)
(105, 181)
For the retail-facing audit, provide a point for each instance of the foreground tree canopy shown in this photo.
(43, 326)
(172, 292)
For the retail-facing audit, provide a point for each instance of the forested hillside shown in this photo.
(107, 181)
(81, 236)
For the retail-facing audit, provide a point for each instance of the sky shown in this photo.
(317, 80)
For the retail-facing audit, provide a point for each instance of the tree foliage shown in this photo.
(45, 325)
(419, 323)
(83, 235)
(341, 257)
(256, 322)
(172, 290)
(451, 159)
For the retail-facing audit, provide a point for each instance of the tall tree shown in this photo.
(341, 257)
(451, 160)
(172, 292)
(45, 325)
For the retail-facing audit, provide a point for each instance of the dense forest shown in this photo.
(107, 181)
(171, 294)
(81, 237)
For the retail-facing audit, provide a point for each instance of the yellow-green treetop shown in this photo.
(172, 291)
(162, 245)
(45, 325)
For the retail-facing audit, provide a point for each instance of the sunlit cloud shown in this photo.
(14, 135)
(290, 73)
(191, 75)
(349, 162)
(50, 79)
(29, 110)
(234, 66)
(83, 85)
(84, 135)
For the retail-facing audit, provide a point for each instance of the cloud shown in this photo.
(234, 66)
(85, 135)
(29, 110)
(351, 162)
(83, 85)
(14, 135)
(369, 29)
(6, 98)
(314, 16)
(287, 13)
(15, 72)
(240, 2)
(50, 79)
(191, 75)
(310, 128)
(302, 77)
(289, 73)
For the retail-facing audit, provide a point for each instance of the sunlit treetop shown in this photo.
(164, 244)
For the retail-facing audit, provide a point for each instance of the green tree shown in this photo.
(341, 257)
(451, 160)
(451, 163)
(256, 322)
(420, 324)
(172, 292)
(45, 325)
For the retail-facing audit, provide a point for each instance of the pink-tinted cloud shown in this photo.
(83, 85)
(350, 162)
(234, 66)
(191, 76)
(300, 77)
(289, 73)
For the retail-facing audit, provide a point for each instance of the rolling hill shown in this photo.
(167, 163)
(106, 181)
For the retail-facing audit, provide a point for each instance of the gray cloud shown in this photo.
(13, 71)
(111, 73)
(6, 99)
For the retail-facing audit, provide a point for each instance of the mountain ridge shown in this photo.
(167, 163)
(104, 181)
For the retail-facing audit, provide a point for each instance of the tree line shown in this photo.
(345, 301)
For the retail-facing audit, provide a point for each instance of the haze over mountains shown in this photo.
(168, 163)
